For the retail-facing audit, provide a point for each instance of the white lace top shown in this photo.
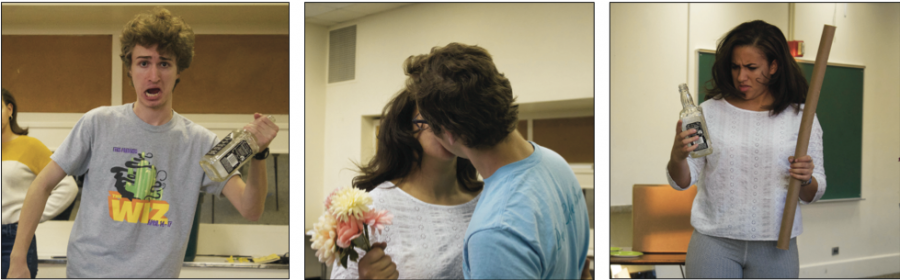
(743, 183)
(425, 240)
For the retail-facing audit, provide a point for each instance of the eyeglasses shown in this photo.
(420, 124)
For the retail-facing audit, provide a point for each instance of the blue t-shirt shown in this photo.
(531, 222)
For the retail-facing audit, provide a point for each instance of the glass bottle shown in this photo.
(230, 154)
(692, 117)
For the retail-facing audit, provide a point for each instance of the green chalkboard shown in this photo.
(840, 114)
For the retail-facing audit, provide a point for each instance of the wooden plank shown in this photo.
(232, 74)
(572, 138)
(651, 259)
(58, 73)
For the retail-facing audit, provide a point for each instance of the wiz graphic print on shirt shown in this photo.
(142, 184)
(139, 189)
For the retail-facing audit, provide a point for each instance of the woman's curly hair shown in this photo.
(787, 86)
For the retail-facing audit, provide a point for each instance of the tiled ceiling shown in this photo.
(329, 14)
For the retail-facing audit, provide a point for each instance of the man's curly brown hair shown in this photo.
(458, 88)
(158, 27)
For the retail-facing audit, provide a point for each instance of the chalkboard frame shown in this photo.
(840, 114)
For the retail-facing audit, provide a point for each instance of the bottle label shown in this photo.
(236, 156)
(215, 150)
(701, 142)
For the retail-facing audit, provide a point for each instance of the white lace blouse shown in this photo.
(425, 240)
(743, 183)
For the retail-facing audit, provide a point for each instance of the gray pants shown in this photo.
(717, 257)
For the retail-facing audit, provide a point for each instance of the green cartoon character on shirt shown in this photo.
(138, 179)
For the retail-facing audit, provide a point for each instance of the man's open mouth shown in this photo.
(152, 91)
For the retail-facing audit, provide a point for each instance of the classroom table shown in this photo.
(652, 259)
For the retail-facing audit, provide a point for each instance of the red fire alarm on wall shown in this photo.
(796, 48)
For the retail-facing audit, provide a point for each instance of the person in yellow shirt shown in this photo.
(23, 158)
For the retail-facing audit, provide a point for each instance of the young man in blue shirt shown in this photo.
(532, 220)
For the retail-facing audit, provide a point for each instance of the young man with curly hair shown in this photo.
(532, 220)
(140, 196)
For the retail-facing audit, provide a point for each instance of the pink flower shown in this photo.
(348, 230)
(328, 198)
(377, 219)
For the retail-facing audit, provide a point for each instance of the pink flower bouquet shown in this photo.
(345, 225)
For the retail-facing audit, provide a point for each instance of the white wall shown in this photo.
(546, 51)
(316, 47)
(660, 46)
(648, 57)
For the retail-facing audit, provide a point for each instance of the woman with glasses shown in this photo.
(431, 193)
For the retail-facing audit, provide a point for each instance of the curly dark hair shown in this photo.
(13, 123)
(787, 86)
(158, 27)
(399, 150)
(458, 88)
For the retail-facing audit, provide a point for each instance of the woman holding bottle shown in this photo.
(753, 112)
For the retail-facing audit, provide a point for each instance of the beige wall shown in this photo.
(641, 129)
(316, 48)
(648, 57)
(546, 50)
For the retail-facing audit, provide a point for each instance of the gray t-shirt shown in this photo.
(139, 198)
